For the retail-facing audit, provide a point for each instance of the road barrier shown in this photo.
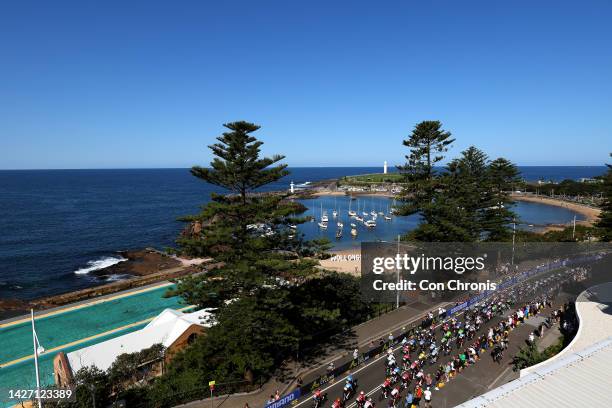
(375, 351)
(286, 400)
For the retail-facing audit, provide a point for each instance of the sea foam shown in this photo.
(100, 264)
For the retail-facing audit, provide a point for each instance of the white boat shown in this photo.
(335, 212)
(338, 234)
(393, 208)
(293, 226)
(370, 223)
(373, 213)
(358, 218)
(353, 225)
(388, 214)
(354, 232)
(365, 214)
(324, 217)
(351, 213)
(340, 224)
(323, 225)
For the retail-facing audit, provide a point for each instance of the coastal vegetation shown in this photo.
(372, 178)
(96, 387)
(465, 202)
(604, 226)
(530, 354)
(571, 188)
(601, 231)
(272, 303)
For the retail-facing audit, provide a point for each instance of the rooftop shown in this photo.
(578, 376)
(164, 329)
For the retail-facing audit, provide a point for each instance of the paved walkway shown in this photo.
(594, 310)
(83, 303)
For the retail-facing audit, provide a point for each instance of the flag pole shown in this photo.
(35, 341)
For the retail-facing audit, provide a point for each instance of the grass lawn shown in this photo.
(373, 178)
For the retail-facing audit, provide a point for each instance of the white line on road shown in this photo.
(366, 366)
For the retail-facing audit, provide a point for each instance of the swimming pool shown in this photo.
(59, 330)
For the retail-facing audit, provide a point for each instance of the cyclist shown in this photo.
(361, 399)
(406, 361)
(338, 403)
(395, 395)
(405, 379)
(318, 398)
(352, 382)
(386, 388)
(395, 375)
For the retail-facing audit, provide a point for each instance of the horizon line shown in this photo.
(392, 168)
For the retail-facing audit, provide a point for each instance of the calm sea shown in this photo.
(57, 225)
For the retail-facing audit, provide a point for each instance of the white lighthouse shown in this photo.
(292, 187)
(385, 167)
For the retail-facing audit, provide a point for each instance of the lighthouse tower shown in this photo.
(292, 187)
(385, 167)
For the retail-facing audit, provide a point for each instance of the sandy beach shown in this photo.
(344, 261)
(591, 214)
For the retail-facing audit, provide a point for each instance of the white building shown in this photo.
(171, 328)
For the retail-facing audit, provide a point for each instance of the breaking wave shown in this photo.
(100, 264)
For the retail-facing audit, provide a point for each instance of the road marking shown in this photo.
(86, 304)
(366, 366)
(84, 340)
(373, 362)
(461, 312)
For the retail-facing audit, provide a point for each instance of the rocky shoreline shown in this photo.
(141, 268)
(138, 263)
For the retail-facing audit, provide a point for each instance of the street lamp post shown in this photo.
(398, 275)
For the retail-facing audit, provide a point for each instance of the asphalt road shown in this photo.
(473, 381)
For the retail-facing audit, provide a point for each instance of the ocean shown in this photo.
(58, 225)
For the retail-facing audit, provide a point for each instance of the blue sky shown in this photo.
(148, 84)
